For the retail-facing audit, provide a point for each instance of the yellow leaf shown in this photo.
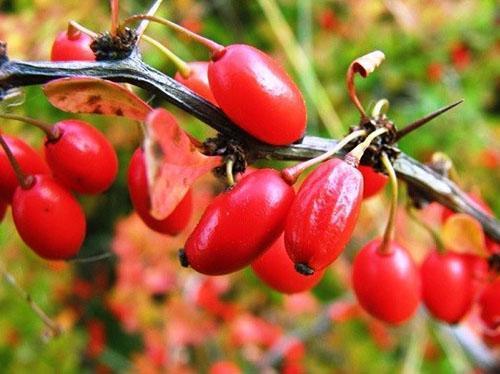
(463, 233)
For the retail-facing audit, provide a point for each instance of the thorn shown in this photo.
(422, 121)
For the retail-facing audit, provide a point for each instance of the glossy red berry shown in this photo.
(139, 194)
(373, 182)
(72, 45)
(257, 94)
(447, 285)
(49, 219)
(323, 216)
(489, 304)
(387, 285)
(275, 268)
(197, 80)
(29, 160)
(240, 224)
(81, 158)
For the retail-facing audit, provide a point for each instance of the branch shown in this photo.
(133, 70)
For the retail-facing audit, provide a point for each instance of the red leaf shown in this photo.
(172, 161)
(97, 96)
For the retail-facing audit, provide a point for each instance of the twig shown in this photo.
(133, 70)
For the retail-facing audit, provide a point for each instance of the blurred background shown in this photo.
(138, 310)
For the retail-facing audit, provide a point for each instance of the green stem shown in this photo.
(433, 233)
(51, 133)
(355, 155)
(385, 247)
(303, 67)
(102, 256)
(25, 181)
(292, 173)
(54, 328)
(381, 107)
(180, 64)
(210, 44)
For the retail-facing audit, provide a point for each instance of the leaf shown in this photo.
(365, 65)
(97, 96)
(463, 233)
(172, 161)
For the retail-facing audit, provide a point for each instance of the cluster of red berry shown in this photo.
(77, 158)
(289, 238)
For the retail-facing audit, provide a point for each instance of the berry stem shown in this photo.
(51, 133)
(291, 174)
(73, 32)
(229, 171)
(355, 155)
(115, 16)
(381, 107)
(210, 44)
(180, 64)
(145, 23)
(99, 257)
(435, 235)
(385, 247)
(54, 328)
(83, 29)
(25, 181)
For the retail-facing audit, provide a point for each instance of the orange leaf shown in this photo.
(97, 96)
(463, 233)
(172, 161)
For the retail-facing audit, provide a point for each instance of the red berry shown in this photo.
(328, 20)
(198, 80)
(460, 55)
(276, 269)
(81, 158)
(139, 194)
(447, 285)
(489, 304)
(323, 215)
(373, 182)
(49, 219)
(3, 209)
(387, 285)
(257, 94)
(29, 160)
(434, 71)
(240, 224)
(72, 45)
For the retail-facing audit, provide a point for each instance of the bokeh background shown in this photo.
(138, 310)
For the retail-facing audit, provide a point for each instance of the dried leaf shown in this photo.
(365, 65)
(172, 161)
(463, 233)
(94, 95)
